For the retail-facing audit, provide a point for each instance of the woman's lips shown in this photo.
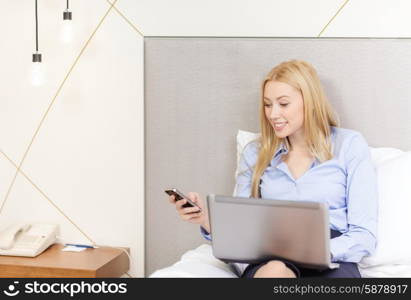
(280, 126)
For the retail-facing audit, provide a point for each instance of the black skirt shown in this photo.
(346, 269)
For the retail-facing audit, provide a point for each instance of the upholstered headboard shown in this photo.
(200, 91)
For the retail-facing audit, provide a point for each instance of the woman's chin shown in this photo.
(281, 134)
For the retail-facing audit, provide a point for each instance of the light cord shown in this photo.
(37, 30)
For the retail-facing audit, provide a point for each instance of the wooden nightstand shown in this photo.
(100, 262)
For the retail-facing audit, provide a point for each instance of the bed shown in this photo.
(200, 91)
(393, 167)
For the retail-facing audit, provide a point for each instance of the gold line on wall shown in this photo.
(126, 19)
(50, 106)
(336, 14)
(52, 203)
(45, 196)
(18, 167)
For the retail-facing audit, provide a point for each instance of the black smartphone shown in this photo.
(179, 195)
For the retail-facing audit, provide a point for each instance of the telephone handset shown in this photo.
(27, 239)
(7, 237)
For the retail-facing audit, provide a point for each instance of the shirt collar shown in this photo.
(282, 148)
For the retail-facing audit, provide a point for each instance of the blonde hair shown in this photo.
(318, 117)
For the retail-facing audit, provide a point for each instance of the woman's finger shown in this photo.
(195, 197)
(180, 203)
(171, 199)
(191, 196)
(188, 217)
(190, 210)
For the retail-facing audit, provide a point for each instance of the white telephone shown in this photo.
(27, 239)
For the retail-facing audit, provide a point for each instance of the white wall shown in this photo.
(88, 155)
(271, 18)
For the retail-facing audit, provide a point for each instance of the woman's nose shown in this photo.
(275, 112)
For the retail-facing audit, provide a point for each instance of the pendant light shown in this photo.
(36, 71)
(67, 30)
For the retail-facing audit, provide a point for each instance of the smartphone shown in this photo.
(179, 195)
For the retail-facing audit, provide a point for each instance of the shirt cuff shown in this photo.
(205, 234)
(338, 249)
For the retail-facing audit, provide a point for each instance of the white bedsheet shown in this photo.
(198, 262)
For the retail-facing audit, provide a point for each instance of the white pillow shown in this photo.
(393, 168)
(243, 138)
(380, 155)
(394, 222)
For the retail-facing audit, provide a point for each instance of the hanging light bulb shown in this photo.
(37, 74)
(36, 71)
(67, 29)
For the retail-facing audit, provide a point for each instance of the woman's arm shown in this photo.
(362, 205)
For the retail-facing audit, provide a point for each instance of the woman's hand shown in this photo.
(192, 214)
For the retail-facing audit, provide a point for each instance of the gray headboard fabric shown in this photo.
(200, 91)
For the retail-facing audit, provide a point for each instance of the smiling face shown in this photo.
(284, 110)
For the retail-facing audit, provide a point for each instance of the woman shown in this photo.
(303, 155)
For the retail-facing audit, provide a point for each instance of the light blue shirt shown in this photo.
(347, 182)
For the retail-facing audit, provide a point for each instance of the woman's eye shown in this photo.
(267, 105)
(283, 104)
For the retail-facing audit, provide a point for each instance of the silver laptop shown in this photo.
(250, 230)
